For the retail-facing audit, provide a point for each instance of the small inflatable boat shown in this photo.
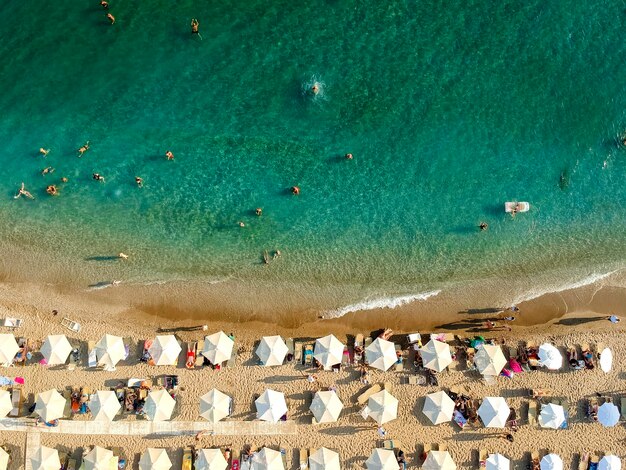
(517, 206)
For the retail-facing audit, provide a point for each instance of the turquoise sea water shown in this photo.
(450, 109)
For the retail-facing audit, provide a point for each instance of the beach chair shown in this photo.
(304, 459)
(345, 358)
(92, 359)
(199, 356)
(622, 408)
(532, 412)
(12, 322)
(71, 464)
(388, 386)
(283, 454)
(363, 397)
(588, 355)
(234, 459)
(16, 401)
(71, 325)
(67, 411)
(297, 355)
(426, 448)
(190, 363)
(592, 409)
(442, 447)
(594, 460)
(358, 349)
(469, 358)
(368, 341)
(583, 461)
(308, 354)
(233, 357)
(290, 350)
(400, 363)
(483, 455)
(187, 459)
(534, 460)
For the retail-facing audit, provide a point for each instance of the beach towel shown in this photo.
(514, 365)
(459, 419)
(507, 373)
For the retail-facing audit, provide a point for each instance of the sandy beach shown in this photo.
(351, 436)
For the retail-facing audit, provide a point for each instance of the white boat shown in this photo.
(517, 206)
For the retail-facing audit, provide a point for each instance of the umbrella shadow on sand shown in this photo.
(578, 321)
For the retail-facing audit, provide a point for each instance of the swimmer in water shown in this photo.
(64, 180)
(111, 18)
(295, 190)
(194, 26)
(83, 149)
(276, 254)
(98, 177)
(315, 89)
(349, 156)
(483, 226)
(104, 4)
(22, 192)
(258, 211)
(139, 181)
(241, 224)
(47, 170)
(169, 155)
(44, 151)
(52, 190)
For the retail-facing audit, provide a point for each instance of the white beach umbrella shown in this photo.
(438, 407)
(267, 459)
(606, 360)
(326, 406)
(439, 460)
(272, 351)
(218, 347)
(8, 348)
(610, 462)
(159, 405)
(489, 359)
(155, 459)
(210, 459)
(45, 458)
(551, 462)
(271, 406)
(4, 459)
(383, 407)
(98, 458)
(6, 405)
(436, 355)
(608, 414)
(550, 357)
(382, 459)
(551, 416)
(104, 405)
(328, 351)
(324, 459)
(498, 462)
(50, 405)
(165, 350)
(215, 405)
(56, 349)
(494, 412)
(110, 350)
(381, 354)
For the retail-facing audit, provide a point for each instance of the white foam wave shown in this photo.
(381, 302)
(586, 281)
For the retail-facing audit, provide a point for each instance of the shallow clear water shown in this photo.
(449, 112)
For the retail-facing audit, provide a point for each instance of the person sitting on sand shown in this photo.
(83, 149)
(44, 151)
(47, 170)
(22, 192)
(169, 155)
(52, 190)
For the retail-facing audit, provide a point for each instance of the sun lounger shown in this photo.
(622, 408)
(592, 409)
(400, 363)
(469, 359)
(297, 357)
(363, 397)
(71, 325)
(67, 411)
(233, 357)
(234, 459)
(442, 447)
(483, 455)
(308, 354)
(290, 350)
(388, 386)
(92, 359)
(588, 355)
(199, 356)
(532, 412)
(358, 349)
(12, 322)
(187, 459)
(190, 363)
(594, 459)
(583, 461)
(368, 341)
(304, 458)
(283, 454)
(534, 460)
(16, 401)
(345, 358)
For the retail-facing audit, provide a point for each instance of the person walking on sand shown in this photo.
(22, 192)
(169, 155)
(111, 18)
(44, 151)
(83, 149)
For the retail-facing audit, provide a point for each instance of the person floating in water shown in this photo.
(44, 151)
(295, 190)
(111, 18)
(169, 155)
(195, 27)
(98, 177)
(64, 180)
(315, 89)
(258, 211)
(139, 181)
(22, 192)
(241, 224)
(47, 170)
(483, 226)
(104, 4)
(83, 149)
(349, 156)
(52, 190)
